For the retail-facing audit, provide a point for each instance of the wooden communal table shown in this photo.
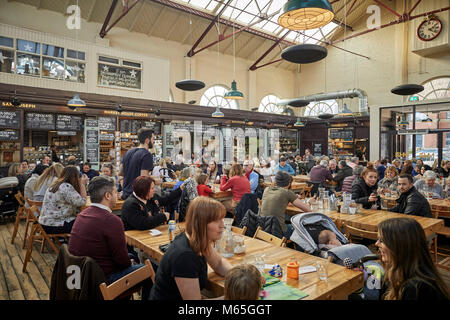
(295, 186)
(341, 281)
(301, 178)
(442, 206)
(118, 206)
(369, 219)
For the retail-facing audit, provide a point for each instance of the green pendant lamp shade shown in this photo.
(306, 14)
(234, 93)
(217, 113)
(299, 123)
(76, 102)
(345, 111)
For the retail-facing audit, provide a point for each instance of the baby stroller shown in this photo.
(9, 186)
(307, 227)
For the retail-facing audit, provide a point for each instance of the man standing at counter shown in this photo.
(137, 161)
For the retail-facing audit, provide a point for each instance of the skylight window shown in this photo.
(246, 12)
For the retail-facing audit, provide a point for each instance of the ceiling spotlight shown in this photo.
(157, 112)
(254, 109)
(15, 101)
(192, 102)
(119, 108)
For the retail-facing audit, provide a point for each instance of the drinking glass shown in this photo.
(239, 245)
(322, 269)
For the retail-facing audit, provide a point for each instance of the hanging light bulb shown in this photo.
(306, 14)
(217, 113)
(234, 93)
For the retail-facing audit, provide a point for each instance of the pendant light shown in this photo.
(76, 101)
(217, 113)
(306, 14)
(299, 123)
(190, 84)
(403, 122)
(345, 111)
(304, 53)
(407, 89)
(234, 93)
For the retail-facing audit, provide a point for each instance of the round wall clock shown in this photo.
(429, 29)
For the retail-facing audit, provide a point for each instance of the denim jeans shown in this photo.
(146, 284)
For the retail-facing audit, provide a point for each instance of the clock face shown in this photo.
(429, 29)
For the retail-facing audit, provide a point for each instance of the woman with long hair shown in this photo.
(213, 171)
(364, 190)
(183, 271)
(410, 271)
(239, 185)
(63, 200)
(45, 180)
(15, 170)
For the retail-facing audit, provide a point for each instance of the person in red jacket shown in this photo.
(238, 184)
(202, 188)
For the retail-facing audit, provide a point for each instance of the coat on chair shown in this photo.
(269, 224)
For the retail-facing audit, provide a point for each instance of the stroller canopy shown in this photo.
(307, 227)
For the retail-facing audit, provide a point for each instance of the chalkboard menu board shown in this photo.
(91, 136)
(317, 149)
(92, 154)
(155, 126)
(107, 136)
(43, 121)
(341, 134)
(115, 76)
(10, 119)
(107, 123)
(91, 143)
(125, 126)
(9, 135)
(135, 126)
(68, 122)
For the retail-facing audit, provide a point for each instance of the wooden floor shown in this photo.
(35, 283)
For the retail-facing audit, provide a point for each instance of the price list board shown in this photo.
(9, 119)
(9, 135)
(91, 143)
(40, 121)
(107, 123)
(67, 122)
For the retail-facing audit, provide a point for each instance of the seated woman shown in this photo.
(29, 185)
(183, 271)
(389, 182)
(15, 170)
(238, 184)
(63, 200)
(88, 171)
(108, 170)
(44, 182)
(141, 210)
(410, 271)
(213, 171)
(364, 190)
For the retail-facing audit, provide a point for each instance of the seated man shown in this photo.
(99, 234)
(320, 173)
(283, 166)
(428, 184)
(411, 201)
(343, 172)
(276, 199)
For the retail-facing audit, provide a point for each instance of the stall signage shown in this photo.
(42, 121)
(66, 133)
(317, 149)
(115, 76)
(91, 143)
(107, 136)
(22, 105)
(10, 119)
(413, 132)
(107, 123)
(9, 135)
(68, 122)
(346, 134)
(127, 114)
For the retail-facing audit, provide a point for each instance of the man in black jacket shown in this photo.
(411, 201)
(343, 172)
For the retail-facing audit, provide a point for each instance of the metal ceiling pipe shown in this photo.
(351, 93)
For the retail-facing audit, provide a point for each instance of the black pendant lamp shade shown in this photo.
(407, 89)
(304, 53)
(325, 116)
(298, 103)
(190, 85)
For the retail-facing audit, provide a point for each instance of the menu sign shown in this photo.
(9, 135)
(125, 126)
(107, 123)
(43, 121)
(91, 136)
(155, 126)
(91, 143)
(107, 136)
(10, 119)
(341, 134)
(115, 76)
(317, 149)
(68, 122)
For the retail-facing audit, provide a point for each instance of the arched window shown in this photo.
(316, 108)
(213, 97)
(434, 89)
(270, 104)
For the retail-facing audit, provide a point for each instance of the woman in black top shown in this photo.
(410, 271)
(141, 210)
(364, 190)
(183, 270)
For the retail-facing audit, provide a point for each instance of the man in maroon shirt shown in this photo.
(320, 173)
(99, 234)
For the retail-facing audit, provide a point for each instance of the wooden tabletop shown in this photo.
(341, 281)
(118, 206)
(369, 219)
(295, 186)
(301, 178)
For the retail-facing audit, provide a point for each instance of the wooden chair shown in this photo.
(31, 218)
(306, 192)
(20, 215)
(262, 235)
(352, 233)
(38, 233)
(239, 230)
(124, 286)
(439, 251)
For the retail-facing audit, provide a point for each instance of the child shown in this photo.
(327, 241)
(243, 282)
(202, 188)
